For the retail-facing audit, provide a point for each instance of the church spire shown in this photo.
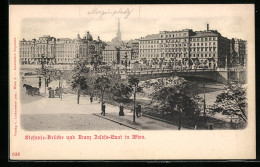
(118, 32)
(118, 25)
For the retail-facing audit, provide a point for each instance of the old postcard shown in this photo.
(132, 82)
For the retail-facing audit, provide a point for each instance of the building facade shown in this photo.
(59, 50)
(238, 52)
(110, 55)
(185, 49)
(34, 51)
(117, 55)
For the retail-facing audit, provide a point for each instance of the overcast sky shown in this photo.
(139, 21)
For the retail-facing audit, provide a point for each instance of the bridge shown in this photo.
(220, 76)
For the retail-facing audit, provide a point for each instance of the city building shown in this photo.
(110, 55)
(119, 52)
(134, 45)
(117, 55)
(238, 53)
(185, 49)
(59, 50)
(34, 51)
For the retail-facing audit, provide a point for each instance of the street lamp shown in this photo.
(204, 102)
(126, 61)
(179, 110)
(43, 71)
(134, 81)
(42, 61)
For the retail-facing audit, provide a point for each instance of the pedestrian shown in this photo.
(138, 111)
(121, 110)
(91, 99)
(49, 92)
(40, 82)
(52, 93)
(57, 92)
(103, 109)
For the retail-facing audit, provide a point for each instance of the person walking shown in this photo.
(103, 109)
(91, 99)
(138, 111)
(57, 92)
(40, 82)
(121, 110)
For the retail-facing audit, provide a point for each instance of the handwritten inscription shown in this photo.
(117, 12)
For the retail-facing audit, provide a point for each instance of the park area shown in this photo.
(178, 105)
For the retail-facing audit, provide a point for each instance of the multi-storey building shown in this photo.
(209, 49)
(125, 54)
(238, 52)
(186, 48)
(117, 55)
(134, 45)
(60, 50)
(34, 51)
(110, 55)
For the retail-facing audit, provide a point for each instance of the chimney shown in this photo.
(207, 27)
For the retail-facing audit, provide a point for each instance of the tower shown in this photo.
(118, 32)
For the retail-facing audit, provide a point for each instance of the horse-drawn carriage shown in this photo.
(31, 90)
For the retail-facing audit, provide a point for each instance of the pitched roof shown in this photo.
(206, 34)
(110, 47)
(151, 36)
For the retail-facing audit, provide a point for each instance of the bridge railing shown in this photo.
(161, 71)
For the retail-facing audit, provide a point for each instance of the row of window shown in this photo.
(204, 39)
(174, 35)
(179, 55)
(201, 44)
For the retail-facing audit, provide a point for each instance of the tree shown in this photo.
(134, 82)
(102, 83)
(161, 62)
(121, 91)
(47, 72)
(232, 102)
(58, 75)
(174, 95)
(78, 81)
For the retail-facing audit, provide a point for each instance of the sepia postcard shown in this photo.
(132, 82)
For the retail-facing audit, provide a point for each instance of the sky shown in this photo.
(137, 21)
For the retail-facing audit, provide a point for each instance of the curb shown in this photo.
(159, 119)
(116, 122)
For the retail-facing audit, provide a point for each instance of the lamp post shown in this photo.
(180, 115)
(179, 109)
(43, 71)
(134, 81)
(126, 62)
(134, 102)
(42, 61)
(204, 102)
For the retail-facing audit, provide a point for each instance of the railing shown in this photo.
(161, 71)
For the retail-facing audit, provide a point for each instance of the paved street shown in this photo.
(43, 113)
(54, 114)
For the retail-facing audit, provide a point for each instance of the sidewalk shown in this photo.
(141, 123)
